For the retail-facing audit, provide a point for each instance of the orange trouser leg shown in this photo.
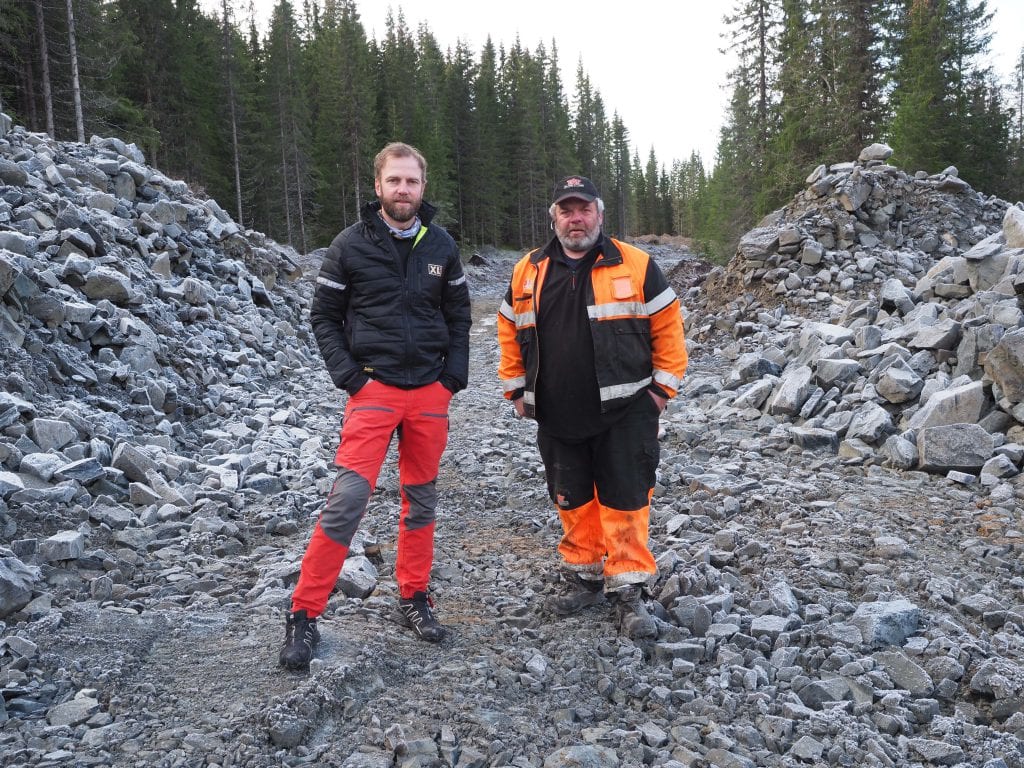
(371, 417)
(629, 559)
(422, 439)
(320, 568)
(583, 544)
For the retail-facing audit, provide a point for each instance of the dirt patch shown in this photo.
(676, 241)
(688, 273)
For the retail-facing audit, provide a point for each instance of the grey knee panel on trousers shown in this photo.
(345, 506)
(422, 504)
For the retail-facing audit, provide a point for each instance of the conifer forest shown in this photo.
(281, 124)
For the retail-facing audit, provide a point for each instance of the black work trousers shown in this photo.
(602, 487)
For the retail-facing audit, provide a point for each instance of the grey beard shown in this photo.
(584, 244)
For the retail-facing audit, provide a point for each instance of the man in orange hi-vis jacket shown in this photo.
(592, 347)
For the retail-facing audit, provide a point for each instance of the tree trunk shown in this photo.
(234, 118)
(355, 149)
(76, 87)
(284, 173)
(295, 149)
(298, 185)
(1020, 103)
(44, 57)
(30, 88)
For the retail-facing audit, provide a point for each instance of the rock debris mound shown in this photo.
(840, 581)
(879, 315)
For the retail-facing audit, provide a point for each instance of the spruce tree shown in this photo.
(664, 224)
(200, 147)
(289, 173)
(15, 59)
(619, 200)
(149, 76)
(602, 155)
(341, 103)
(44, 68)
(939, 95)
(1015, 172)
(487, 168)
(396, 81)
(431, 127)
(254, 129)
(460, 72)
(728, 208)
(984, 125)
(648, 218)
(556, 133)
(741, 185)
(228, 58)
(637, 190)
(583, 125)
(522, 79)
(688, 186)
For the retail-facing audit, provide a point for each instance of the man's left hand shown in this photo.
(659, 401)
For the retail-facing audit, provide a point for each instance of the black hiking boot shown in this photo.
(581, 593)
(300, 640)
(633, 619)
(415, 612)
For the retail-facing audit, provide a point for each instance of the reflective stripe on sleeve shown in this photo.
(458, 281)
(661, 301)
(526, 319)
(666, 378)
(516, 383)
(505, 310)
(331, 284)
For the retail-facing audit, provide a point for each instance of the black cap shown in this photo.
(575, 186)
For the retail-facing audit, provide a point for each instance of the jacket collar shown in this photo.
(610, 253)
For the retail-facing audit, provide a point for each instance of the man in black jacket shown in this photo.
(391, 315)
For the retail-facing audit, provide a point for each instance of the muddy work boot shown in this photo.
(300, 640)
(634, 620)
(415, 612)
(582, 593)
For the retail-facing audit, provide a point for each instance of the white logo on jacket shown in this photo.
(435, 270)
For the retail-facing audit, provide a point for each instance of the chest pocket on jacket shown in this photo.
(622, 288)
(429, 282)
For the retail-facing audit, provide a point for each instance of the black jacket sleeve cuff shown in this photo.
(656, 389)
(356, 383)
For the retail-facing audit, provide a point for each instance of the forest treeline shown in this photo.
(281, 126)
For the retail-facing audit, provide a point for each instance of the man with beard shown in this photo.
(592, 347)
(391, 316)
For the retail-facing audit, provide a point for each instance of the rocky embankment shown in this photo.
(828, 594)
(907, 337)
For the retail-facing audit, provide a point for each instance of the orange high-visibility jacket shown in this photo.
(635, 323)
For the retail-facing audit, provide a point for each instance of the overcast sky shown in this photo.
(657, 63)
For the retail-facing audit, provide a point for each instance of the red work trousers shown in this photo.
(376, 412)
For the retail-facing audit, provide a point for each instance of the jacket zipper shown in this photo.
(536, 335)
(404, 279)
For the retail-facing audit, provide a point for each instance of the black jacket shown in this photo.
(372, 321)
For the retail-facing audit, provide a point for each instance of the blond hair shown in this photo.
(399, 149)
